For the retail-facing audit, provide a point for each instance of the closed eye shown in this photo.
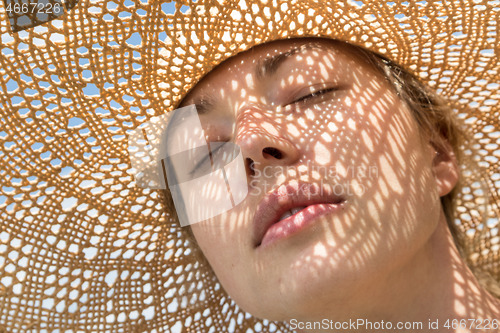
(314, 95)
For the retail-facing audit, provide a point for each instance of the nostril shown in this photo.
(250, 166)
(273, 152)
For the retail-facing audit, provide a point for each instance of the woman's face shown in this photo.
(341, 188)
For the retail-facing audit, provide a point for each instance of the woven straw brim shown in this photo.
(81, 247)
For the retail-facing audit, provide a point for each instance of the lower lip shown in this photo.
(297, 222)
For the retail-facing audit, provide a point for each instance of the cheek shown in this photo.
(222, 242)
(398, 191)
(396, 154)
(213, 243)
(228, 258)
(217, 252)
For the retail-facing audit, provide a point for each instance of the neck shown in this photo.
(435, 288)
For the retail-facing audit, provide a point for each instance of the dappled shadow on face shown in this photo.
(342, 204)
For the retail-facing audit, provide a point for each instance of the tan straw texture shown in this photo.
(81, 247)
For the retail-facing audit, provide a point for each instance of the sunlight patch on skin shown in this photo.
(348, 101)
(323, 71)
(339, 117)
(326, 137)
(291, 172)
(390, 175)
(376, 85)
(373, 208)
(322, 154)
(340, 169)
(252, 99)
(459, 308)
(472, 287)
(302, 123)
(315, 175)
(257, 115)
(270, 128)
(310, 114)
(222, 93)
(359, 109)
(351, 124)
(282, 178)
(243, 92)
(356, 187)
(249, 81)
(458, 277)
(459, 290)
(374, 122)
(332, 127)
(283, 83)
(357, 81)
(320, 250)
(397, 142)
(328, 61)
(339, 231)
(382, 105)
(367, 140)
(384, 189)
(329, 235)
(303, 168)
(293, 130)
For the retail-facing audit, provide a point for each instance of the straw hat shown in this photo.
(83, 248)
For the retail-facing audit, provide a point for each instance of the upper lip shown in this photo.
(286, 197)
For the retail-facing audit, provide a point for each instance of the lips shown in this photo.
(291, 212)
(290, 208)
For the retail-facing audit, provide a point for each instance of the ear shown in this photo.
(444, 167)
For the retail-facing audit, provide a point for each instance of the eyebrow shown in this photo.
(270, 65)
(205, 104)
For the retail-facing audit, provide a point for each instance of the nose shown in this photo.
(263, 142)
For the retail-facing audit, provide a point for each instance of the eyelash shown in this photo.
(313, 95)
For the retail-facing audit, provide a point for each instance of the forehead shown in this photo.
(262, 58)
(262, 61)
